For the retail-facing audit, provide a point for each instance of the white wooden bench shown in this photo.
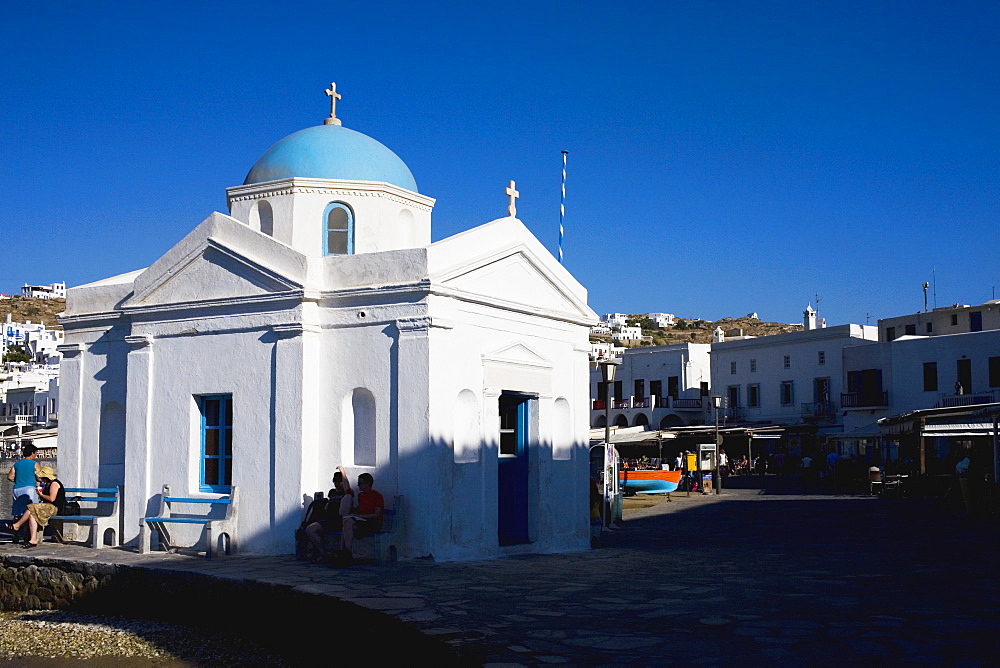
(219, 532)
(96, 499)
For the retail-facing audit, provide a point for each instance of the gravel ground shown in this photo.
(51, 637)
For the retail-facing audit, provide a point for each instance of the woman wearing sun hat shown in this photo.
(53, 497)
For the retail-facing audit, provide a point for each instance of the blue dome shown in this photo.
(331, 152)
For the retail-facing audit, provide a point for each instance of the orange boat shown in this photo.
(649, 482)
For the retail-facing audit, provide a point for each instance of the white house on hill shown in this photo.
(317, 325)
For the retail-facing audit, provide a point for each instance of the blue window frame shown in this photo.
(338, 229)
(216, 443)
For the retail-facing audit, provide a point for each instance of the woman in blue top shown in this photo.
(23, 476)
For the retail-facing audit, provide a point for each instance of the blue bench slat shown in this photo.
(174, 499)
(81, 518)
(98, 499)
(182, 520)
(96, 490)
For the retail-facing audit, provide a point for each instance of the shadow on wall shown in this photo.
(456, 510)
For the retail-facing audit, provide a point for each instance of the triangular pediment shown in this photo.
(212, 273)
(515, 278)
(518, 354)
(221, 259)
(502, 264)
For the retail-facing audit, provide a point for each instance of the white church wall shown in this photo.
(386, 217)
(182, 369)
(507, 355)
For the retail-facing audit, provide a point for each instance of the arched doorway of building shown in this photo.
(672, 420)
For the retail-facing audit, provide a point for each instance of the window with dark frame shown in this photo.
(787, 393)
(216, 443)
(930, 377)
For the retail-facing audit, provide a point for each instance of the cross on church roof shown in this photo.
(512, 195)
(334, 96)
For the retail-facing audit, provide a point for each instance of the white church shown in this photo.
(317, 325)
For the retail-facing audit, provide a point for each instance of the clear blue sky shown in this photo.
(724, 157)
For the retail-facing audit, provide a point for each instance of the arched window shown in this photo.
(338, 225)
(358, 426)
(266, 218)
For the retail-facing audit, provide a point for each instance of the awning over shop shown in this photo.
(958, 429)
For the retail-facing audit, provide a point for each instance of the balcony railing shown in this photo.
(686, 404)
(17, 419)
(952, 400)
(864, 399)
(598, 405)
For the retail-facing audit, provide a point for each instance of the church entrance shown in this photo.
(512, 469)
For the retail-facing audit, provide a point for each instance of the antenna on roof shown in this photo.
(934, 281)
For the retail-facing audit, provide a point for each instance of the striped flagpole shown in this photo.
(562, 207)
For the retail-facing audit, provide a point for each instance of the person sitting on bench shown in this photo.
(338, 504)
(366, 521)
(53, 500)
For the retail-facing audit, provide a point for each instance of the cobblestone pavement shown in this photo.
(739, 579)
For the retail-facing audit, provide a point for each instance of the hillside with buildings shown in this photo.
(692, 330)
(33, 309)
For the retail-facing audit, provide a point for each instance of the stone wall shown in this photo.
(278, 617)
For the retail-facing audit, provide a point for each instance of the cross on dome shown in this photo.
(512, 195)
(334, 96)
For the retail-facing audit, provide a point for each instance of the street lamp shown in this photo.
(608, 367)
(717, 404)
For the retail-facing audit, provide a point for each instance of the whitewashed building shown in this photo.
(786, 379)
(53, 291)
(33, 338)
(627, 333)
(317, 325)
(615, 320)
(661, 319)
(919, 372)
(655, 386)
(954, 319)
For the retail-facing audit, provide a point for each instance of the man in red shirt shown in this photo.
(368, 518)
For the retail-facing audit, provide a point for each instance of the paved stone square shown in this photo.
(744, 578)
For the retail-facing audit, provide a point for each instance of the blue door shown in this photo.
(512, 469)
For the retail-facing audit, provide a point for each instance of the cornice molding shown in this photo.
(334, 188)
(70, 350)
(139, 341)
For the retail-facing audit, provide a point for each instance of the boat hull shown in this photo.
(650, 482)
